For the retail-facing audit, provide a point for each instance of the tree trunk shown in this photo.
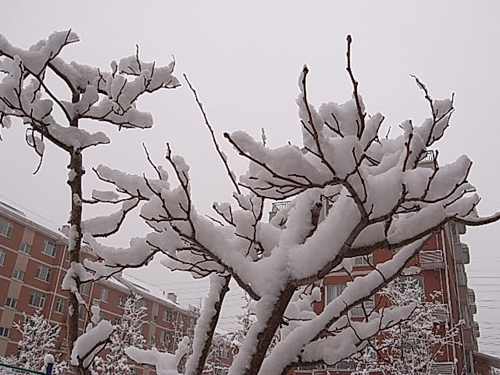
(75, 242)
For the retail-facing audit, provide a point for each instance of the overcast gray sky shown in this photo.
(244, 59)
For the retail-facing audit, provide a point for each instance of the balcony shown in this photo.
(473, 308)
(443, 368)
(431, 259)
(477, 333)
(462, 253)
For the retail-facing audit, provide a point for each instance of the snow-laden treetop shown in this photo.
(108, 96)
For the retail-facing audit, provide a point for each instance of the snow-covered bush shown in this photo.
(38, 339)
(351, 190)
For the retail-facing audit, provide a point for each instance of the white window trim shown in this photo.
(9, 305)
(42, 298)
(46, 270)
(9, 228)
(51, 254)
(56, 307)
(4, 332)
(18, 274)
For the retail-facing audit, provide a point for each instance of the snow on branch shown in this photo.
(109, 97)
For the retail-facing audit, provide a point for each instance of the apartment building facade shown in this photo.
(441, 264)
(33, 262)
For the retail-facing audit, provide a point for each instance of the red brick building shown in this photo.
(33, 262)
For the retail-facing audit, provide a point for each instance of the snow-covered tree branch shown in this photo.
(27, 93)
(351, 191)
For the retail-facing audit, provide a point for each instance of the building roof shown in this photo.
(124, 281)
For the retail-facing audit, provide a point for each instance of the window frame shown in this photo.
(3, 254)
(81, 312)
(43, 273)
(45, 249)
(18, 274)
(164, 337)
(11, 302)
(4, 331)
(9, 228)
(104, 295)
(337, 290)
(59, 306)
(85, 289)
(168, 316)
(37, 296)
(25, 248)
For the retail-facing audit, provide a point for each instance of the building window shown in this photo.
(151, 340)
(363, 260)
(49, 248)
(369, 306)
(121, 300)
(140, 303)
(37, 299)
(43, 273)
(104, 295)
(168, 316)
(102, 316)
(25, 248)
(81, 312)
(18, 275)
(59, 305)
(333, 291)
(6, 228)
(118, 321)
(85, 289)
(154, 318)
(4, 331)
(164, 337)
(11, 302)
(222, 352)
(2, 256)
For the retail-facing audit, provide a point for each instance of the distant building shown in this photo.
(33, 262)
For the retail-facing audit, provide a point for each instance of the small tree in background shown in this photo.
(412, 346)
(38, 338)
(127, 333)
(27, 93)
